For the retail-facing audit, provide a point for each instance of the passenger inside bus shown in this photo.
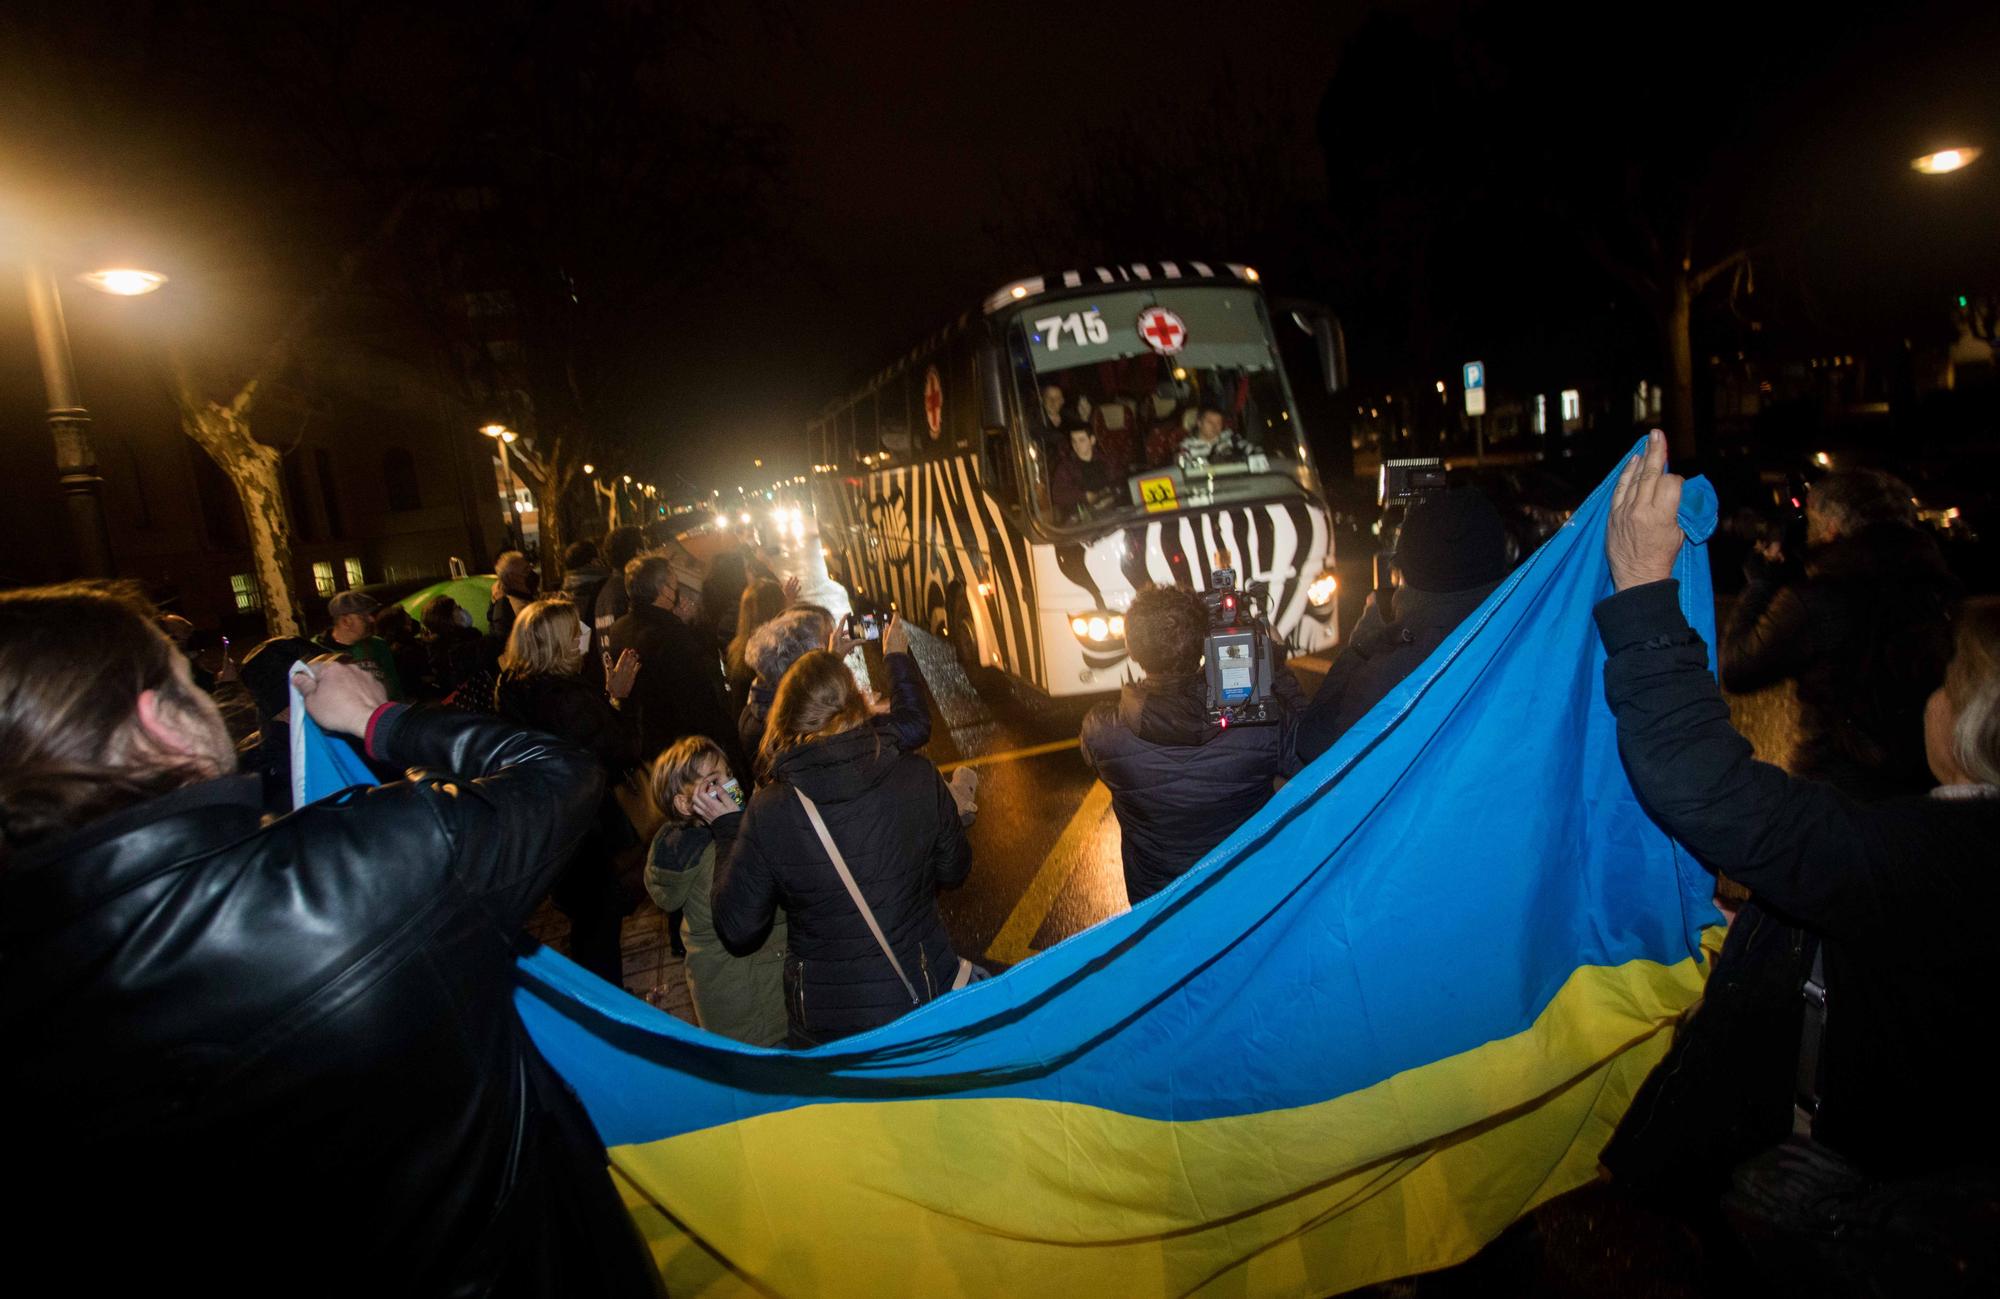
(1220, 425)
(1083, 482)
(1054, 400)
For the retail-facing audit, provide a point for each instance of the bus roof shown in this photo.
(1128, 273)
(1035, 286)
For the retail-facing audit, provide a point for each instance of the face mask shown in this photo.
(463, 617)
(583, 640)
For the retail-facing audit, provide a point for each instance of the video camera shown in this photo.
(1401, 483)
(1241, 660)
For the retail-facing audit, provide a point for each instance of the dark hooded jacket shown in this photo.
(1180, 784)
(1866, 636)
(303, 1030)
(567, 707)
(679, 690)
(893, 819)
(1377, 656)
(581, 584)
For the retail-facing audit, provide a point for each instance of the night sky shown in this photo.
(923, 152)
(919, 132)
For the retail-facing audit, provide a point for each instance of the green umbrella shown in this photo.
(474, 595)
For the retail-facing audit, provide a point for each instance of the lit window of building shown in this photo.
(354, 577)
(244, 587)
(323, 578)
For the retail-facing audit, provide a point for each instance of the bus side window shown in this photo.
(865, 444)
(997, 450)
(893, 419)
(840, 431)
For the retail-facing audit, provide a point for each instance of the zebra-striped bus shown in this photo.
(1013, 480)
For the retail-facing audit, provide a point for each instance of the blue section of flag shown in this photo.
(322, 764)
(1425, 887)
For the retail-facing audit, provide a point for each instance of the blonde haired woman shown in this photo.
(738, 997)
(541, 686)
(835, 768)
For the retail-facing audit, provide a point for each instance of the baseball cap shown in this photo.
(352, 602)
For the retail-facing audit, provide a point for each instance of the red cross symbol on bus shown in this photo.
(1163, 331)
(934, 401)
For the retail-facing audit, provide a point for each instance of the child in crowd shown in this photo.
(738, 997)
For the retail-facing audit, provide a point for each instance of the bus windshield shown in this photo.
(1151, 399)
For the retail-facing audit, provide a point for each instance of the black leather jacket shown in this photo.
(283, 1057)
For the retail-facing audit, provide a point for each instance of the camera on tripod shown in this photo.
(1240, 659)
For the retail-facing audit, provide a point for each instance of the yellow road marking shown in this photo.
(1032, 751)
(1011, 944)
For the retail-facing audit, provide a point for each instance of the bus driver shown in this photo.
(1211, 439)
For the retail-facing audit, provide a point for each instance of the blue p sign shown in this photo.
(1475, 374)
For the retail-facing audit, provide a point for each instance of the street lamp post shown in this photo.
(501, 434)
(69, 425)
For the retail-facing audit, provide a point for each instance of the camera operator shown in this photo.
(1179, 782)
(1451, 552)
(260, 1056)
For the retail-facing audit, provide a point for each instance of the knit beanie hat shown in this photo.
(1452, 541)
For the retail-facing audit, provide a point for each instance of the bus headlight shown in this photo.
(1324, 587)
(1097, 628)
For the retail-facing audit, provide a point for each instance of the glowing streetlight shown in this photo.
(124, 281)
(589, 469)
(502, 435)
(1945, 160)
(69, 422)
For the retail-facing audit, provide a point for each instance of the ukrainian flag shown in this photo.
(1403, 1005)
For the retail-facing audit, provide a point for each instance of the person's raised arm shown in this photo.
(909, 702)
(1796, 842)
(512, 803)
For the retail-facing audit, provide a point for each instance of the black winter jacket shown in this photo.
(257, 1058)
(894, 821)
(567, 707)
(570, 709)
(581, 585)
(909, 707)
(1902, 894)
(1377, 656)
(1866, 636)
(1179, 784)
(679, 690)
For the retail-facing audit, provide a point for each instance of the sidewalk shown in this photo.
(652, 971)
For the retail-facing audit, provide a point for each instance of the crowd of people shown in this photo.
(211, 996)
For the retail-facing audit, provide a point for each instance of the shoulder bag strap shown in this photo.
(854, 891)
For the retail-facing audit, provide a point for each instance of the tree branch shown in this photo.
(1701, 279)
